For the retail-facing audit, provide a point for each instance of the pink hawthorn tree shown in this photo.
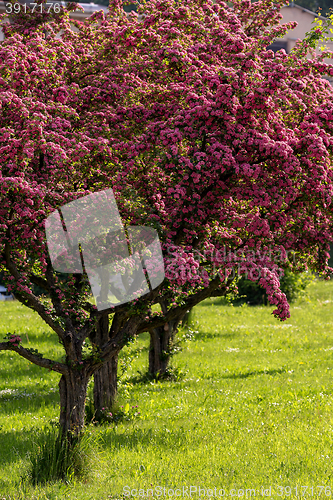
(202, 133)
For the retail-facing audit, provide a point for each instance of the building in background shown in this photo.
(89, 8)
(304, 19)
(4, 294)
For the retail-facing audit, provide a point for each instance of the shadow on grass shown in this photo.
(214, 301)
(28, 401)
(173, 374)
(23, 371)
(14, 446)
(237, 375)
(137, 438)
(214, 335)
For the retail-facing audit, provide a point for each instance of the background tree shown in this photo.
(222, 147)
(292, 284)
(321, 6)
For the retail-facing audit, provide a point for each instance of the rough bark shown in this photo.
(105, 386)
(159, 355)
(161, 338)
(105, 378)
(73, 392)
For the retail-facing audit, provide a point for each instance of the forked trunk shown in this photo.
(73, 392)
(105, 386)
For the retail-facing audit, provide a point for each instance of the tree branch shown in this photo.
(37, 360)
(29, 298)
(177, 311)
(118, 341)
(37, 280)
(116, 310)
(134, 327)
(57, 302)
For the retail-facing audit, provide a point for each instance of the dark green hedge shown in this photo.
(293, 285)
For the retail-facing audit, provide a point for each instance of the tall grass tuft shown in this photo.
(55, 458)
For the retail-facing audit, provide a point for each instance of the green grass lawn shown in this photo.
(254, 408)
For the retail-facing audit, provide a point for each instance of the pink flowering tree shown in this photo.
(218, 144)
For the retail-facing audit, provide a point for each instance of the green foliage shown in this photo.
(172, 373)
(123, 413)
(321, 32)
(91, 351)
(292, 284)
(35, 352)
(187, 318)
(127, 355)
(315, 5)
(54, 458)
(185, 334)
(38, 290)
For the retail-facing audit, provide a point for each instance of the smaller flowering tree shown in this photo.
(222, 147)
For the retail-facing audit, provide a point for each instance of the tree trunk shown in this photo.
(159, 355)
(160, 344)
(73, 392)
(105, 386)
(105, 378)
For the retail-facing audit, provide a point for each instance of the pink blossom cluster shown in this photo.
(15, 340)
(183, 270)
